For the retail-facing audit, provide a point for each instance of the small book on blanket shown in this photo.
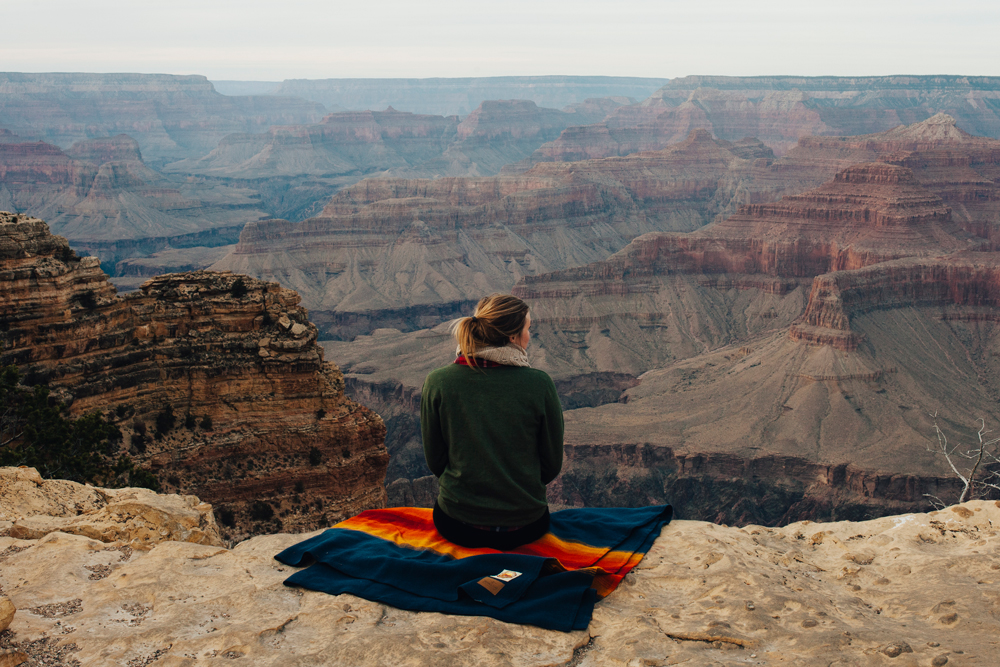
(396, 557)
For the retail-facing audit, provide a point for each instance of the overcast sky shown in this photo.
(275, 40)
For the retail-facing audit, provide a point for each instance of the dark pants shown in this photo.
(476, 538)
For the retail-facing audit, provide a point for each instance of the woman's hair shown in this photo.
(497, 317)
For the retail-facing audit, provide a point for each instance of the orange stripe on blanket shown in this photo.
(413, 527)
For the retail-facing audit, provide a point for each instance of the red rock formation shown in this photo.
(236, 350)
(867, 214)
(39, 164)
(962, 169)
(971, 280)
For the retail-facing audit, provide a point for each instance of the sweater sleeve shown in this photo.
(435, 447)
(550, 436)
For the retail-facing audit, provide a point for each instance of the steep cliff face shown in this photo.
(967, 285)
(170, 116)
(258, 416)
(388, 244)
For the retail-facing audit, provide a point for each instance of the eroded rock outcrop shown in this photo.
(32, 507)
(911, 588)
(256, 414)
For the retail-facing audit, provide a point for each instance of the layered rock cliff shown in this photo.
(215, 379)
(912, 589)
(387, 245)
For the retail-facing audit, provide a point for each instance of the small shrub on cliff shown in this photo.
(189, 421)
(227, 517)
(34, 432)
(206, 423)
(315, 457)
(299, 486)
(139, 427)
(238, 290)
(261, 511)
(320, 413)
(88, 300)
(165, 420)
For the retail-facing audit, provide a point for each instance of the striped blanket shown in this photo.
(395, 556)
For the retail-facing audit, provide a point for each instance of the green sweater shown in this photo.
(494, 438)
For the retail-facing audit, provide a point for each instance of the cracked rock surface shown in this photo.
(916, 589)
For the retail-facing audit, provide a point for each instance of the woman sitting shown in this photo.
(493, 432)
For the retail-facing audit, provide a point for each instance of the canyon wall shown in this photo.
(388, 244)
(259, 418)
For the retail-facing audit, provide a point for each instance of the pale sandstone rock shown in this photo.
(807, 594)
(7, 610)
(137, 517)
(12, 659)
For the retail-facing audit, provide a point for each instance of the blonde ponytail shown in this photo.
(497, 318)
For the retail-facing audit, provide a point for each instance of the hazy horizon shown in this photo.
(251, 41)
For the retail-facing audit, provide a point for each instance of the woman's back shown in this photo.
(494, 438)
(492, 429)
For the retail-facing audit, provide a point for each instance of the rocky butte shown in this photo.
(402, 252)
(259, 416)
(131, 577)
